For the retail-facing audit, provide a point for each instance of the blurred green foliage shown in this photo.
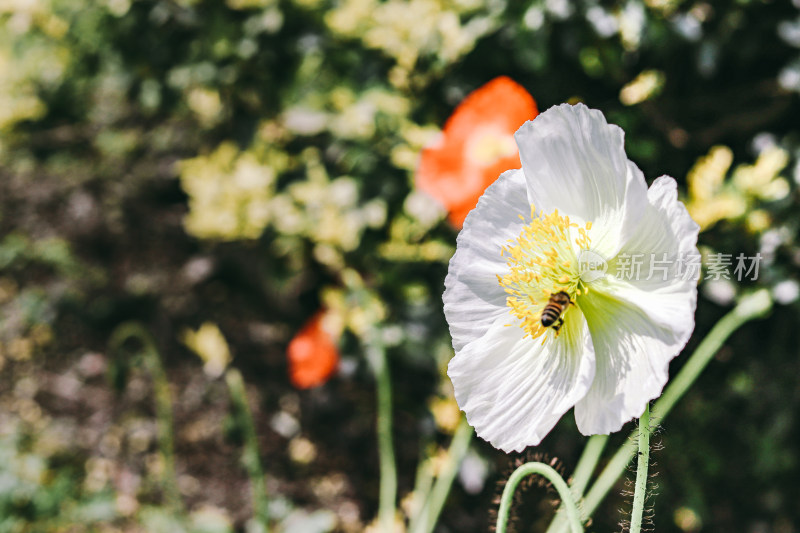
(246, 162)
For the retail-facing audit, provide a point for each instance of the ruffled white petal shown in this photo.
(639, 325)
(473, 298)
(514, 389)
(575, 161)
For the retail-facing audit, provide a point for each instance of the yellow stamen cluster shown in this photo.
(542, 262)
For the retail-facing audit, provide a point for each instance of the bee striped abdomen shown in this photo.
(550, 314)
(555, 308)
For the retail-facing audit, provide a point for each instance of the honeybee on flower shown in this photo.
(577, 193)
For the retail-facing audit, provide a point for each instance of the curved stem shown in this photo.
(151, 360)
(250, 457)
(376, 353)
(558, 482)
(444, 481)
(640, 490)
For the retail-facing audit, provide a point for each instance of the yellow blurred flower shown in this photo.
(302, 450)
(758, 221)
(28, 65)
(229, 193)
(18, 100)
(326, 211)
(408, 29)
(209, 343)
(645, 86)
(206, 104)
(249, 4)
(761, 179)
(24, 15)
(445, 413)
(354, 306)
(713, 198)
(706, 176)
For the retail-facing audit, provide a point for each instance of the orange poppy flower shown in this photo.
(312, 354)
(476, 146)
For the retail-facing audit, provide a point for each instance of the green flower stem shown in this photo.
(151, 360)
(752, 306)
(558, 482)
(376, 354)
(250, 457)
(640, 489)
(433, 505)
(423, 483)
(755, 305)
(587, 462)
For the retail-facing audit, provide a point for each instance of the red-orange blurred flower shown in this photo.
(312, 353)
(476, 146)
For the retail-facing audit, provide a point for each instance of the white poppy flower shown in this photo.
(576, 196)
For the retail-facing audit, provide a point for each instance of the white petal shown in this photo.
(473, 298)
(666, 235)
(575, 161)
(638, 326)
(514, 389)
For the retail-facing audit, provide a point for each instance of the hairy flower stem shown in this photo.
(151, 360)
(553, 477)
(250, 457)
(640, 490)
(432, 505)
(755, 305)
(376, 353)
